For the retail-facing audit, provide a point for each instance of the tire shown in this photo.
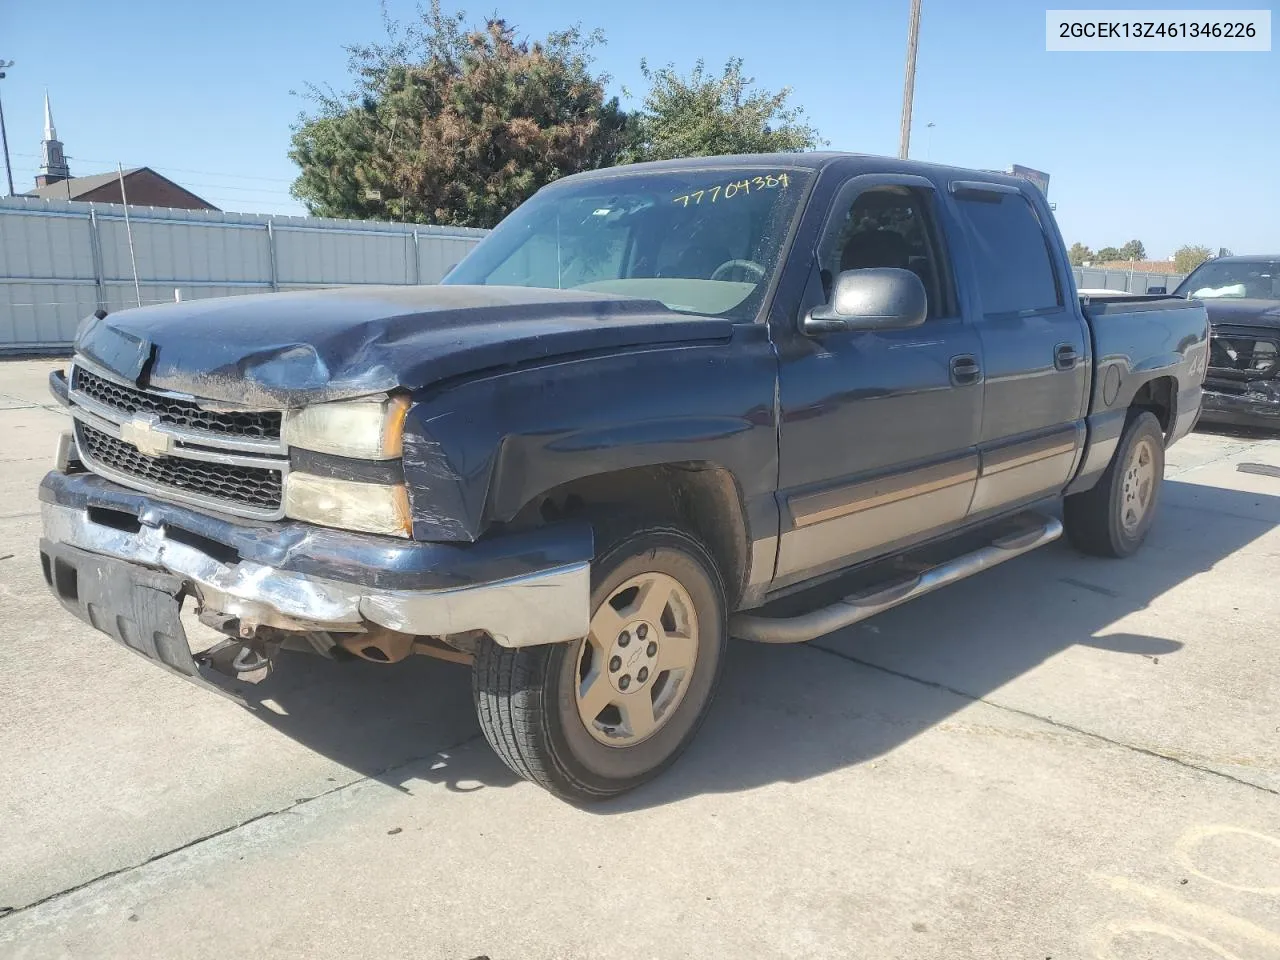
(533, 701)
(1112, 518)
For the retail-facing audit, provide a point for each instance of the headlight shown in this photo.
(370, 429)
(348, 504)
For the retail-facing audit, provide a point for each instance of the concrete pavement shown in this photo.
(1063, 757)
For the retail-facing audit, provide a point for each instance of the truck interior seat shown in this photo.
(875, 248)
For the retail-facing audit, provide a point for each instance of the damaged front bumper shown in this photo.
(1252, 404)
(520, 589)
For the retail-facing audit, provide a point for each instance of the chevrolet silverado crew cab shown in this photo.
(653, 405)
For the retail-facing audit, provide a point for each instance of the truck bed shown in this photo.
(1146, 331)
(1143, 344)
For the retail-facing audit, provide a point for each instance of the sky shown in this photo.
(1167, 148)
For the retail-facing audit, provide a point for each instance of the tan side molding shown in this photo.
(867, 494)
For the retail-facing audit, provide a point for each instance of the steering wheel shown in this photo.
(747, 266)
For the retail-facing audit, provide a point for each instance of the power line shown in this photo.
(203, 173)
(237, 176)
(263, 198)
(249, 192)
(264, 191)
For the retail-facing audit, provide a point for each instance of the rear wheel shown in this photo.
(594, 718)
(1112, 518)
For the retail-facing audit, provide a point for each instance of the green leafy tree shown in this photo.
(1107, 254)
(705, 114)
(1187, 258)
(1133, 250)
(1079, 253)
(454, 126)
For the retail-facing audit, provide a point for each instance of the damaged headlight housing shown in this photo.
(364, 429)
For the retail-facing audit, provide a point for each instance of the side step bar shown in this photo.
(860, 606)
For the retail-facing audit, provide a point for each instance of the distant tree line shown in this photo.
(1185, 259)
(450, 125)
(1133, 250)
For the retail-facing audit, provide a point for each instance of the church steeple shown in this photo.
(53, 164)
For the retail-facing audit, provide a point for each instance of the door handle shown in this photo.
(965, 370)
(1064, 356)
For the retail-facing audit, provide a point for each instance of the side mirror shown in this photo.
(1160, 290)
(877, 298)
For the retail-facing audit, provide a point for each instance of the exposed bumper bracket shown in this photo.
(138, 608)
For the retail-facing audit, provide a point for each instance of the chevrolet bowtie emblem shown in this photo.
(144, 432)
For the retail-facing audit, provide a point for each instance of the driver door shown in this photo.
(879, 429)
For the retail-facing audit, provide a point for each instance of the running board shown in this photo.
(860, 606)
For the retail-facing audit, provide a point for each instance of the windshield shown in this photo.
(701, 241)
(1233, 280)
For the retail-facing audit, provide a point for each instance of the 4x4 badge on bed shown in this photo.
(144, 433)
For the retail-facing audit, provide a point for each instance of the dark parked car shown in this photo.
(653, 400)
(1242, 296)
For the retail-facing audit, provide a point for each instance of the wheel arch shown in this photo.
(702, 497)
(1160, 396)
(1157, 394)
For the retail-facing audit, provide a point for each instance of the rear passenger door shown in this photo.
(1035, 346)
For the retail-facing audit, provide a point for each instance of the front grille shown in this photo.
(263, 425)
(1245, 355)
(258, 488)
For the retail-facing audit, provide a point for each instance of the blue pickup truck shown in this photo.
(652, 407)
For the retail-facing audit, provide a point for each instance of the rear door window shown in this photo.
(1011, 254)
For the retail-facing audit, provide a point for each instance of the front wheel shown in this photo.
(597, 717)
(1112, 518)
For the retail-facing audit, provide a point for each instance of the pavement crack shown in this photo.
(7, 912)
(1145, 751)
(1091, 587)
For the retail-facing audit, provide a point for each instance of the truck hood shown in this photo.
(291, 349)
(1243, 313)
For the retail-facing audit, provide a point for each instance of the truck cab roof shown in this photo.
(812, 160)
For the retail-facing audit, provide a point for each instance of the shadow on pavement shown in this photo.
(788, 713)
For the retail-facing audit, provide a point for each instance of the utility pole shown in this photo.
(909, 85)
(4, 136)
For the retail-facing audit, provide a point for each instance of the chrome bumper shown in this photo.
(550, 606)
